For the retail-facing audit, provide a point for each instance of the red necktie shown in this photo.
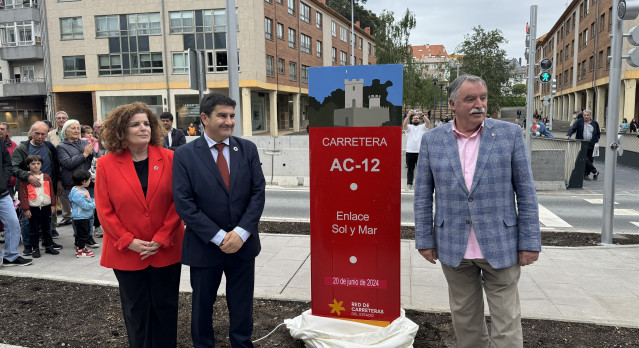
(222, 165)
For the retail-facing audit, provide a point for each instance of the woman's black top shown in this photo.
(142, 169)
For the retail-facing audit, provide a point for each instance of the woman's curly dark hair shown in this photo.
(115, 127)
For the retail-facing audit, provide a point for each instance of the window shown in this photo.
(359, 43)
(610, 18)
(333, 28)
(602, 22)
(151, 63)
(268, 28)
(71, 28)
(334, 54)
(360, 61)
(270, 66)
(217, 61)
(580, 41)
(304, 74)
(343, 34)
(291, 7)
(292, 71)
(291, 38)
(305, 43)
(600, 60)
(74, 66)
(20, 33)
(369, 48)
(567, 25)
(318, 49)
(269, 1)
(180, 62)
(107, 26)
(583, 69)
(280, 66)
(280, 31)
(585, 37)
(342, 58)
(305, 12)
(318, 20)
(109, 64)
(592, 30)
(591, 63)
(607, 59)
(181, 22)
(144, 24)
(561, 56)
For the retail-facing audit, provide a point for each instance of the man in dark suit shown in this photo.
(585, 128)
(174, 137)
(218, 188)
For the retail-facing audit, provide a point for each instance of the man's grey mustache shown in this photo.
(478, 111)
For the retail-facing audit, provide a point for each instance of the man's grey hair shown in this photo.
(96, 123)
(4, 124)
(456, 84)
(588, 111)
(35, 124)
(62, 112)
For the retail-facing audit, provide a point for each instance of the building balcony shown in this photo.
(23, 87)
(19, 11)
(20, 52)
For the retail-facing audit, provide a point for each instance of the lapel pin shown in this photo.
(492, 134)
(234, 148)
(156, 168)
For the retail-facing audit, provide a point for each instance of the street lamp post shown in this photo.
(441, 95)
(434, 98)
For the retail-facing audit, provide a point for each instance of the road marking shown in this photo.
(626, 212)
(595, 200)
(635, 223)
(549, 219)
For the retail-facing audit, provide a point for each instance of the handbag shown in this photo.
(595, 151)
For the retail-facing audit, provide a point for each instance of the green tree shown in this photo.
(392, 47)
(364, 16)
(519, 89)
(484, 56)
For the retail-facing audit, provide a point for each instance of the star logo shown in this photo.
(336, 307)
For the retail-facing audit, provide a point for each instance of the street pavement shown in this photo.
(590, 284)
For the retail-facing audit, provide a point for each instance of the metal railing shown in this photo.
(23, 80)
(11, 4)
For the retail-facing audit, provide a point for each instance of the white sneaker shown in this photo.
(410, 187)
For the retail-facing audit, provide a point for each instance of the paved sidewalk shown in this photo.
(591, 284)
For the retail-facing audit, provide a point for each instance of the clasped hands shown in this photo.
(144, 248)
(231, 243)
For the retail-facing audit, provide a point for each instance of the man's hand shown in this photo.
(527, 257)
(27, 213)
(53, 209)
(231, 243)
(566, 137)
(429, 254)
(34, 181)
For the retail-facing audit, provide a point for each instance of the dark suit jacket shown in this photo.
(177, 139)
(578, 128)
(206, 206)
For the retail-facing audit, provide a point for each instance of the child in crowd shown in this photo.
(86, 133)
(82, 206)
(38, 203)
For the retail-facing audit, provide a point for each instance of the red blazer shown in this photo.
(126, 214)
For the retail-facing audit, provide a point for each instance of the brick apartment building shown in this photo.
(107, 53)
(579, 45)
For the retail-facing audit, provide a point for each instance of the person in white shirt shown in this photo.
(415, 125)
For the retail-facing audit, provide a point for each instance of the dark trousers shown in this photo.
(411, 162)
(590, 168)
(96, 221)
(40, 220)
(240, 280)
(150, 305)
(83, 228)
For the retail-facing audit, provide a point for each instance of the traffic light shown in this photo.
(553, 87)
(628, 10)
(545, 75)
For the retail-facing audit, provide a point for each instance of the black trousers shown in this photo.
(240, 281)
(411, 162)
(590, 167)
(40, 220)
(83, 229)
(150, 305)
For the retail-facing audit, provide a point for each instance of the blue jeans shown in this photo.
(25, 230)
(11, 228)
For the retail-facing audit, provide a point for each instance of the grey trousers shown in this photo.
(467, 304)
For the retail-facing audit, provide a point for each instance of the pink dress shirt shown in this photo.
(468, 147)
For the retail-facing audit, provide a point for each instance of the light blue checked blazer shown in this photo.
(501, 204)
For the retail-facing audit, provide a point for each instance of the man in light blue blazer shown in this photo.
(486, 220)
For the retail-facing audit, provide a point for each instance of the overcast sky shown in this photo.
(446, 22)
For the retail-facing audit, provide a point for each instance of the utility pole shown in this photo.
(234, 75)
(532, 32)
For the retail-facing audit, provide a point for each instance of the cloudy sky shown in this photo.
(446, 22)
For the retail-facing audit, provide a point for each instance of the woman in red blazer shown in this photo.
(142, 232)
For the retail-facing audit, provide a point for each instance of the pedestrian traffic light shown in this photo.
(628, 10)
(545, 75)
(553, 87)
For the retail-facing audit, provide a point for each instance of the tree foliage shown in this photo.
(393, 47)
(365, 17)
(519, 89)
(484, 56)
